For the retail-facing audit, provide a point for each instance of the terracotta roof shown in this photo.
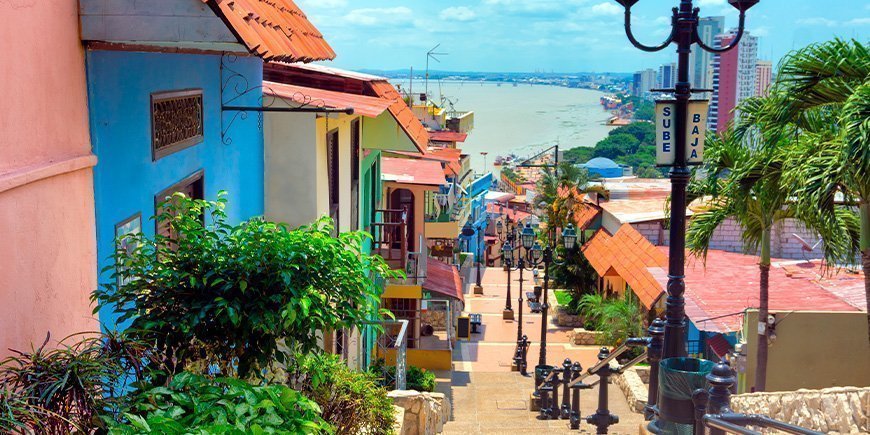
(448, 156)
(718, 294)
(361, 104)
(403, 114)
(515, 215)
(273, 29)
(443, 278)
(628, 254)
(412, 171)
(447, 136)
(637, 210)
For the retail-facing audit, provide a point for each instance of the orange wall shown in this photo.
(47, 235)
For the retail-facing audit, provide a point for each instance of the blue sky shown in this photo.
(557, 35)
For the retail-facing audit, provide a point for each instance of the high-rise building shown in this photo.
(643, 82)
(667, 77)
(734, 74)
(700, 60)
(763, 76)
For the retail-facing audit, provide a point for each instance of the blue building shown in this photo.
(603, 167)
(164, 95)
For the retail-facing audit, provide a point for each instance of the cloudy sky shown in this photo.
(557, 35)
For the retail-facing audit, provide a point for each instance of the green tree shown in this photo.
(616, 145)
(645, 111)
(824, 101)
(645, 132)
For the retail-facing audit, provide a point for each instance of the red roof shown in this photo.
(412, 171)
(584, 214)
(273, 29)
(403, 114)
(718, 294)
(515, 215)
(447, 136)
(361, 104)
(449, 156)
(632, 257)
(443, 278)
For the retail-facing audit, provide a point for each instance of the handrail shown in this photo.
(624, 347)
(734, 422)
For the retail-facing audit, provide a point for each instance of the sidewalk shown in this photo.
(488, 398)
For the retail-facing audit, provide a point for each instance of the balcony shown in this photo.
(460, 122)
(391, 236)
(445, 214)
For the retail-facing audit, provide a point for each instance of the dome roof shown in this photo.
(601, 163)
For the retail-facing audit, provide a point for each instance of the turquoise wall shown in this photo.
(126, 179)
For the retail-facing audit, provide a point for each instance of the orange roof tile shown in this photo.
(443, 278)
(412, 171)
(632, 257)
(276, 30)
(585, 213)
(403, 114)
(447, 136)
(361, 104)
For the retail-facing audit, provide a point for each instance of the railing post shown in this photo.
(721, 378)
(544, 392)
(575, 396)
(603, 419)
(567, 375)
(654, 356)
(700, 398)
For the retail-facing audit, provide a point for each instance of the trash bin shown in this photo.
(678, 379)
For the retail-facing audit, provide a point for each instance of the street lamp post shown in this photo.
(569, 241)
(528, 260)
(506, 233)
(684, 32)
(470, 231)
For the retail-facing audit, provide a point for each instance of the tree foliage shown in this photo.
(632, 145)
(226, 295)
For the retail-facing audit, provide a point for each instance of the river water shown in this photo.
(523, 119)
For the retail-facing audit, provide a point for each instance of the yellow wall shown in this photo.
(441, 359)
(442, 230)
(812, 350)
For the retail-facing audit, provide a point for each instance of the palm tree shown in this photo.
(744, 183)
(825, 94)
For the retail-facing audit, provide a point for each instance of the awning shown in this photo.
(361, 104)
(412, 171)
(443, 278)
(275, 30)
(447, 136)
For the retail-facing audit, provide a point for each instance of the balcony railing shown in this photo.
(391, 234)
(392, 346)
(460, 122)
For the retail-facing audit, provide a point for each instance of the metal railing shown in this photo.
(394, 340)
(390, 236)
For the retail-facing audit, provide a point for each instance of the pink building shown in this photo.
(47, 254)
(734, 80)
(763, 76)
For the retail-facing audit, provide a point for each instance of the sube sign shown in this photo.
(666, 132)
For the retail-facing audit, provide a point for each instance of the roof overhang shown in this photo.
(362, 105)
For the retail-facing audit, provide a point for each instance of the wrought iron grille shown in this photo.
(176, 121)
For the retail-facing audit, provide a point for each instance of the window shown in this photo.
(332, 174)
(176, 121)
(192, 186)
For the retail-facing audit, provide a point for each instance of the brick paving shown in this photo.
(488, 398)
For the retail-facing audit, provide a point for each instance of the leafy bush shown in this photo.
(226, 295)
(616, 318)
(417, 379)
(196, 404)
(62, 389)
(353, 402)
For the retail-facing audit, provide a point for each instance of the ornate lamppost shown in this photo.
(684, 33)
(507, 234)
(469, 231)
(569, 242)
(528, 256)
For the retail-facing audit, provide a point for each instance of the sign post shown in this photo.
(666, 130)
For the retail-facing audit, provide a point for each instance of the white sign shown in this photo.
(666, 131)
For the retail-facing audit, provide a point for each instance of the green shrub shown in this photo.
(194, 404)
(353, 402)
(224, 296)
(417, 378)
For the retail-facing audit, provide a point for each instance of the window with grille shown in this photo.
(333, 174)
(176, 121)
(355, 172)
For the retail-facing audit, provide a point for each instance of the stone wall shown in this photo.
(633, 388)
(424, 413)
(728, 238)
(565, 319)
(436, 318)
(831, 410)
(582, 337)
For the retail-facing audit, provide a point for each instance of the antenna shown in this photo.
(431, 54)
(806, 248)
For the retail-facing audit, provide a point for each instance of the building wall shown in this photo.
(700, 60)
(294, 165)
(812, 350)
(127, 180)
(47, 254)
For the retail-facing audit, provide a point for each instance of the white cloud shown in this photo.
(323, 4)
(458, 13)
(817, 21)
(858, 22)
(377, 16)
(606, 9)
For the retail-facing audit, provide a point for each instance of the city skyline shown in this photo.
(548, 35)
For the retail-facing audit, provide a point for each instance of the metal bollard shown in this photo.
(720, 379)
(603, 419)
(545, 391)
(654, 356)
(576, 369)
(520, 355)
(565, 409)
(553, 409)
(700, 398)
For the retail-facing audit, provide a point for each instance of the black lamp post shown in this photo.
(528, 260)
(470, 231)
(684, 32)
(507, 234)
(569, 241)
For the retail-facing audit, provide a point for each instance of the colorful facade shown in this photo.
(48, 261)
